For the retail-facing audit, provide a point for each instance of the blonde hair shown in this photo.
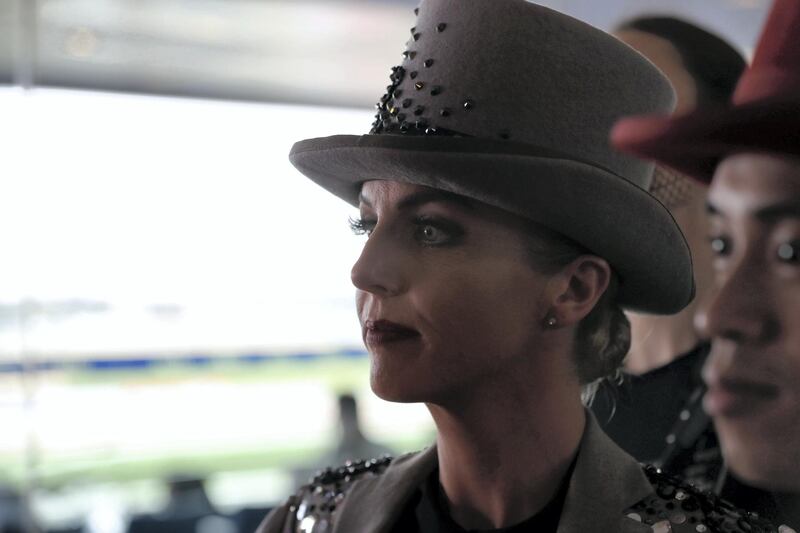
(603, 337)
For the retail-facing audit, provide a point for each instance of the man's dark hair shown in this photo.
(714, 64)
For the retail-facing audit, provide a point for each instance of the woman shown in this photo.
(504, 237)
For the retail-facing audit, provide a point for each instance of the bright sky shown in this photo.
(141, 201)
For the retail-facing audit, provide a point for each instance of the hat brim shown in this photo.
(605, 213)
(695, 143)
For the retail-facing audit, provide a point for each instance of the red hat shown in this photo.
(763, 115)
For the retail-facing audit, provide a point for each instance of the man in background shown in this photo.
(751, 149)
(655, 413)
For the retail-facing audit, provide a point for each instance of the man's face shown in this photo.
(753, 317)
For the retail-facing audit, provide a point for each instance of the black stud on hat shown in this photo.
(525, 99)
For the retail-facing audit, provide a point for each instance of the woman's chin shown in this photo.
(395, 392)
(393, 381)
(400, 388)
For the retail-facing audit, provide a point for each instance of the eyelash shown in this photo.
(362, 226)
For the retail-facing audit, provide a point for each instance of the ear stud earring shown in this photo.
(551, 321)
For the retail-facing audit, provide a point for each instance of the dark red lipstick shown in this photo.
(378, 332)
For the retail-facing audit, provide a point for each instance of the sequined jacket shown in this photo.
(609, 492)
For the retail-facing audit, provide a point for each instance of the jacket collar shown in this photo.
(374, 504)
(605, 482)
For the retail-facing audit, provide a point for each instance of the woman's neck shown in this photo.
(504, 453)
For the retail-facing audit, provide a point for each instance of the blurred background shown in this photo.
(178, 342)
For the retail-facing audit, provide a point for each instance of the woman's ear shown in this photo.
(577, 288)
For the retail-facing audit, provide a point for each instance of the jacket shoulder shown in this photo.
(314, 504)
(679, 507)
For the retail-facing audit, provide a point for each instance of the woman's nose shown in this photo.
(739, 306)
(378, 269)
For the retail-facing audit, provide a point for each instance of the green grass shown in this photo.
(339, 373)
(57, 472)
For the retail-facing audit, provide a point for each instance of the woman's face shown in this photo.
(446, 295)
(753, 372)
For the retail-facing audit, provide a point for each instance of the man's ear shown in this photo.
(577, 288)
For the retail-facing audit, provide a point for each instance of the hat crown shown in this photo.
(520, 72)
(510, 104)
(775, 71)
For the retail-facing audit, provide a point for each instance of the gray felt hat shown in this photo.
(510, 103)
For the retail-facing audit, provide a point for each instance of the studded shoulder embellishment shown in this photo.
(678, 507)
(311, 509)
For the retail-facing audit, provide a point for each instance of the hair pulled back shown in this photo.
(603, 337)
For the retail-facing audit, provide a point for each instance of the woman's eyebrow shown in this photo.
(425, 197)
(363, 201)
(428, 196)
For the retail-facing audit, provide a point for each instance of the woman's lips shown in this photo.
(732, 398)
(381, 332)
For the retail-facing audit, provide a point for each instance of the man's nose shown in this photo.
(739, 306)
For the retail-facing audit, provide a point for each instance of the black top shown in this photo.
(640, 413)
(658, 418)
(426, 512)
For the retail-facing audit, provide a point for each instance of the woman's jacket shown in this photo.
(608, 492)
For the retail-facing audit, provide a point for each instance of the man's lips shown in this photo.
(737, 397)
(378, 332)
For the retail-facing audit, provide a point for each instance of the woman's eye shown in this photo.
(436, 232)
(361, 226)
(430, 233)
(720, 245)
(789, 252)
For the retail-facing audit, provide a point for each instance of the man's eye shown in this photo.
(361, 226)
(789, 252)
(720, 245)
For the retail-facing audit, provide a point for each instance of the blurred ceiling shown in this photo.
(329, 52)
